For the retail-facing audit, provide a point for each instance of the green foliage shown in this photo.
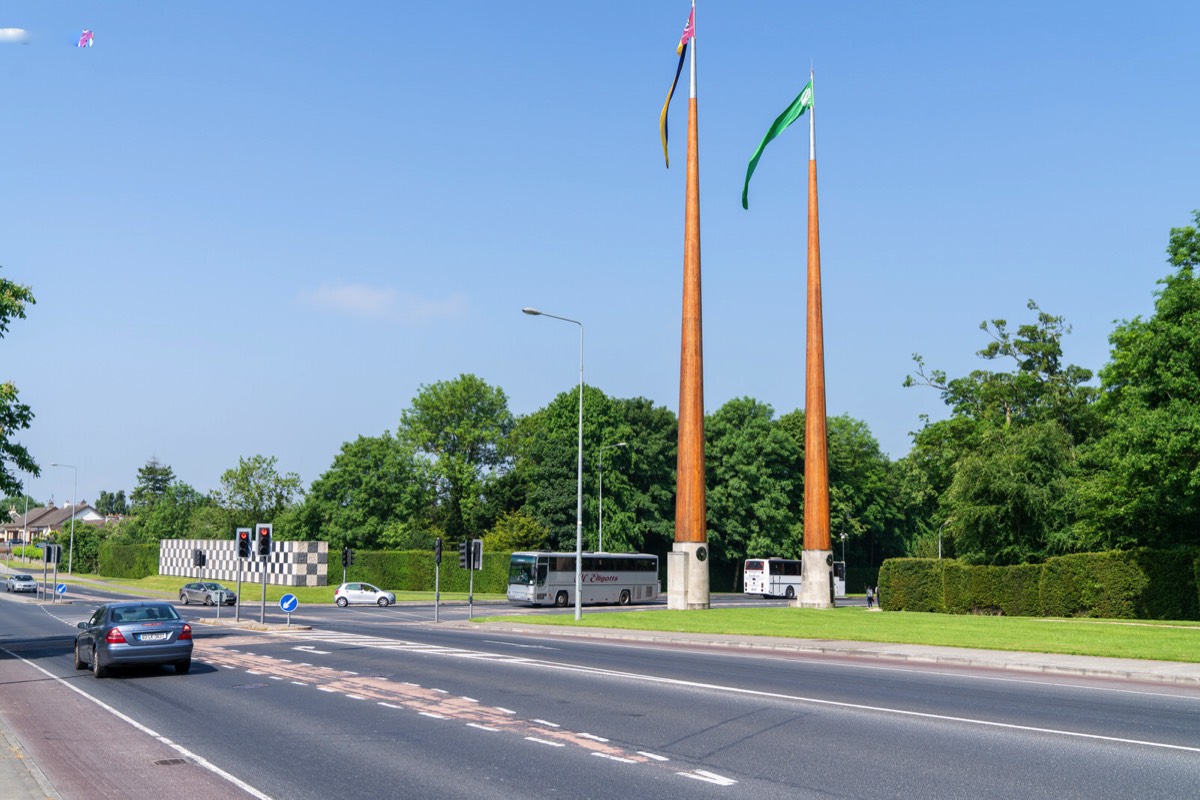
(911, 584)
(753, 482)
(14, 415)
(461, 427)
(254, 491)
(164, 515)
(153, 481)
(119, 560)
(1140, 584)
(111, 504)
(413, 571)
(516, 531)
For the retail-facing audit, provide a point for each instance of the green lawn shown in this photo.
(1160, 641)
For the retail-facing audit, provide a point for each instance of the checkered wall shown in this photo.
(290, 563)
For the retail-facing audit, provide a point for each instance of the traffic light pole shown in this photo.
(237, 617)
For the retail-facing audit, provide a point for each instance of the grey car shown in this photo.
(207, 593)
(140, 632)
(349, 593)
(20, 583)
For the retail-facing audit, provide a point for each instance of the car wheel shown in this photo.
(79, 662)
(791, 593)
(624, 598)
(383, 602)
(182, 667)
(208, 599)
(97, 670)
(183, 598)
(560, 599)
(342, 602)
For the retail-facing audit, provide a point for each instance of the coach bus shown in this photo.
(780, 577)
(542, 578)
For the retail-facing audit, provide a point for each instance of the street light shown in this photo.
(533, 312)
(600, 472)
(843, 537)
(74, 490)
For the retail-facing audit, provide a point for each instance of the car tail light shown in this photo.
(187, 632)
(115, 637)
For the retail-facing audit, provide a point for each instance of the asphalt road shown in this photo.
(372, 703)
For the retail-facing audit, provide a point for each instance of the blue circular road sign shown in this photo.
(289, 603)
(61, 588)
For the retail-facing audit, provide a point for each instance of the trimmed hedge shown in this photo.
(1136, 584)
(412, 571)
(911, 584)
(859, 578)
(127, 560)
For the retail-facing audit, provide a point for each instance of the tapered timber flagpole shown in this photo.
(817, 583)
(687, 564)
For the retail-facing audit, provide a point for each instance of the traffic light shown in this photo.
(347, 557)
(198, 558)
(243, 540)
(437, 550)
(477, 554)
(264, 541)
(464, 554)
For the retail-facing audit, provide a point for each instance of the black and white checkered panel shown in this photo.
(290, 563)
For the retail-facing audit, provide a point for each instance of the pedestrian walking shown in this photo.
(870, 598)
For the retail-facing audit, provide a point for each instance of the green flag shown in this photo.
(802, 103)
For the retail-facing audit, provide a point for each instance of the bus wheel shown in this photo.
(791, 593)
(625, 597)
(560, 599)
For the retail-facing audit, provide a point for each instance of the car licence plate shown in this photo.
(153, 637)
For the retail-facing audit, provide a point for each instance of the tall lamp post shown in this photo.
(74, 491)
(533, 312)
(600, 473)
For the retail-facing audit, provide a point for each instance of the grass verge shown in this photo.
(1156, 641)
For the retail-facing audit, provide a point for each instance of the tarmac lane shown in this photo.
(63, 742)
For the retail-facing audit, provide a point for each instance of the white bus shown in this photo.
(541, 578)
(780, 577)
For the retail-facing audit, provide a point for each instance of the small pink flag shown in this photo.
(85, 39)
(689, 30)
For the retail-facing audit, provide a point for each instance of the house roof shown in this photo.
(51, 518)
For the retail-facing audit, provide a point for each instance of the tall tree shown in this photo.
(153, 481)
(374, 488)
(755, 491)
(461, 427)
(14, 415)
(1145, 469)
(254, 491)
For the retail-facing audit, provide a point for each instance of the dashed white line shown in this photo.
(468, 699)
(356, 697)
(390, 705)
(708, 777)
(652, 756)
(622, 759)
(326, 689)
(593, 737)
(441, 691)
(546, 723)
(544, 741)
(503, 710)
(431, 714)
(482, 727)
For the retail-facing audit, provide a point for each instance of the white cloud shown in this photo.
(370, 302)
(13, 35)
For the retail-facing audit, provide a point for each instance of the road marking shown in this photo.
(431, 714)
(326, 689)
(652, 756)
(300, 683)
(504, 710)
(547, 724)
(708, 777)
(622, 759)
(544, 741)
(356, 697)
(468, 699)
(593, 737)
(194, 757)
(391, 705)
(308, 649)
(482, 727)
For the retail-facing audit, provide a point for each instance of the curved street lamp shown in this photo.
(533, 312)
(600, 473)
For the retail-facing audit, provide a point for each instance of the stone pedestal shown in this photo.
(816, 590)
(687, 576)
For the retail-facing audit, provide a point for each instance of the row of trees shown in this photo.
(1033, 459)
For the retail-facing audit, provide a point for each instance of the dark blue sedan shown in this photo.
(140, 632)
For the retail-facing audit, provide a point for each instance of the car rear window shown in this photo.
(144, 613)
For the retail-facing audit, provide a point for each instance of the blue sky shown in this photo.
(260, 228)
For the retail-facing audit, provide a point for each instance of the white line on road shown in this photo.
(547, 724)
(708, 777)
(544, 741)
(482, 727)
(504, 710)
(652, 756)
(622, 759)
(593, 737)
(431, 714)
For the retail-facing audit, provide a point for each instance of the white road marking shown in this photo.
(326, 689)
(708, 777)
(593, 737)
(431, 714)
(468, 699)
(622, 759)
(356, 697)
(547, 724)
(390, 705)
(308, 649)
(652, 756)
(544, 741)
(482, 727)
(504, 710)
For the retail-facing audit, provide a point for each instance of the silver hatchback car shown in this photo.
(207, 593)
(363, 593)
(139, 632)
(20, 583)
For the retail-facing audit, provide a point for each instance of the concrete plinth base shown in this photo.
(687, 576)
(816, 588)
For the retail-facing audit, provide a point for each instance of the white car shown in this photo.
(363, 593)
(20, 583)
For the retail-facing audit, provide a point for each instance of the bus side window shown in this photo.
(541, 574)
